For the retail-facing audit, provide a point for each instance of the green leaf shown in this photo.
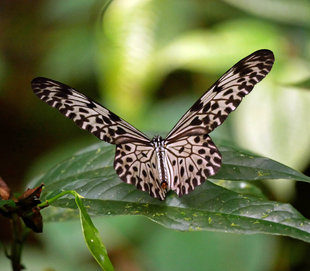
(243, 165)
(90, 232)
(92, 238)
(242, 187)
(209, 207)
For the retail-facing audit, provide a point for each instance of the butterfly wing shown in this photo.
(191, 161)
(192, 155)
(136, 164)
(87, 114)
(224, 96)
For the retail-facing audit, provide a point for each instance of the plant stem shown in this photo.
(51, 200)
(47, 202)
(19, 234)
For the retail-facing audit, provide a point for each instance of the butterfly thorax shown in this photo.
(160, 150)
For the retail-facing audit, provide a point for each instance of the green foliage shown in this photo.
(209, 207)
(90, 232)
(92, 237)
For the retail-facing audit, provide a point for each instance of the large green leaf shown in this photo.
(209, 207)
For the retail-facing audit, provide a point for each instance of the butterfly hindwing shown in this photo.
(192, 160)
(224, 96)
(86, 113)
(136, 164)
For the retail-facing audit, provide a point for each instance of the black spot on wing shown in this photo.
(114, 117)
(195, 121)
(197, 106)
(120, 131)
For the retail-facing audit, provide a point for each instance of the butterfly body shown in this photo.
(162, 166)
(187, 156)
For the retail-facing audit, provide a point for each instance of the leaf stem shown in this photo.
(51, 200)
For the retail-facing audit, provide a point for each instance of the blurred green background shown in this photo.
(148, 61)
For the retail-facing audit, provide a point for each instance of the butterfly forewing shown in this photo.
(136, 164)
(224, 96)
(192, 160)
(87, 114)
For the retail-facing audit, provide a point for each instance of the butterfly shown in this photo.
(187, 156)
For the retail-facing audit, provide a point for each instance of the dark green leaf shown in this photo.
(209, 207)
(242, 165)
(242, 187)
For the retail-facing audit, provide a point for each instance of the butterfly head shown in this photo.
(157, 141)
(164, 186)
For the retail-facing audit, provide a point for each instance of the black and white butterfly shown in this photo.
(187, 156)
